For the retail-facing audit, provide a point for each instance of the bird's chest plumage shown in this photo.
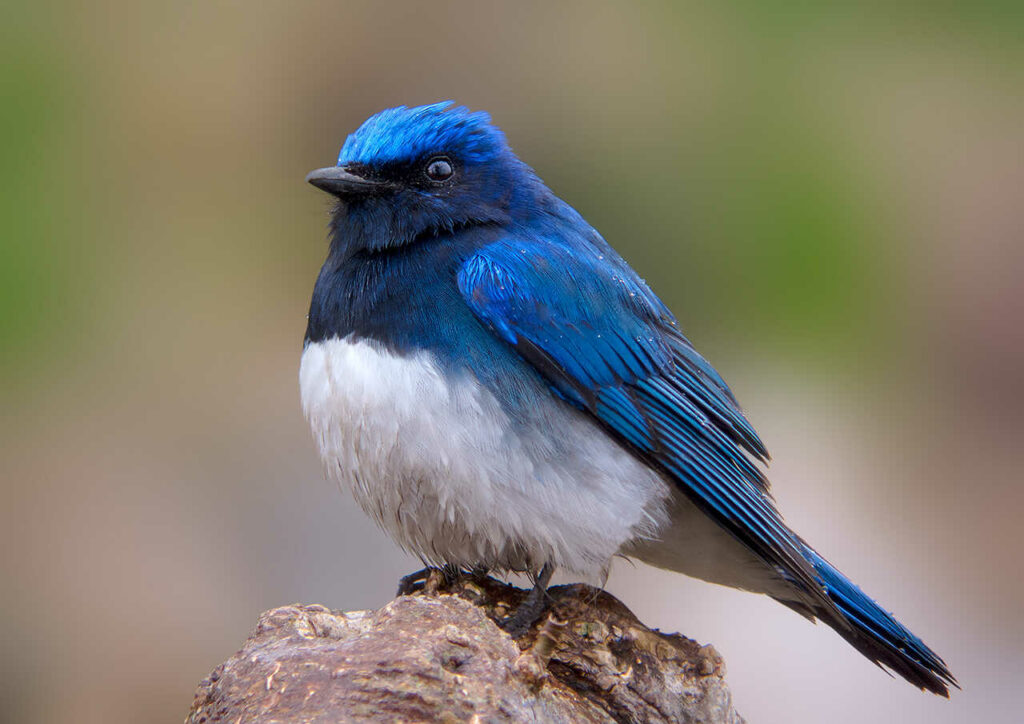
(446, 470)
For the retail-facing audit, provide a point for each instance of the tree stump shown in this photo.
(437, 655)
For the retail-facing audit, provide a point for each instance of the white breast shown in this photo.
(447, 474)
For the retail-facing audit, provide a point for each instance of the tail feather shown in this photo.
(875, 633)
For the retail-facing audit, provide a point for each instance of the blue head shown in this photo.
(410, 173)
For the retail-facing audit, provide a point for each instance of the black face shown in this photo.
(390, 204)
(433, 173)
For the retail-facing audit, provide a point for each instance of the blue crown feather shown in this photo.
(402, 133)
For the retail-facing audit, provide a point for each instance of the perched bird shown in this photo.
(501, 391)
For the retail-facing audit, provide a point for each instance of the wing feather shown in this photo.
(606, 344)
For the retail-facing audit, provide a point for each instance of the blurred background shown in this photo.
(831, 200)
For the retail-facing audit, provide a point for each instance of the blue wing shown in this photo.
(577, 312)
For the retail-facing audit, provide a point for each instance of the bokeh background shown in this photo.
(831, 198)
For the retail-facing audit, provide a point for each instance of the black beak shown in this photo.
(343, 183)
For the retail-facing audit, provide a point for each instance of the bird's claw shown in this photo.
(431, 580)
(532, 607)
(414, 581)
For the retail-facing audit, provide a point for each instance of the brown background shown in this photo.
(829, 200)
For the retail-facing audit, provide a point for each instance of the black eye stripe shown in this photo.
(409, 173)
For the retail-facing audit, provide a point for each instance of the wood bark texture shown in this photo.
(438, 656)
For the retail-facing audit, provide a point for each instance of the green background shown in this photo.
(829, 196)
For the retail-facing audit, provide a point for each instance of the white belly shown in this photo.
(447, 474)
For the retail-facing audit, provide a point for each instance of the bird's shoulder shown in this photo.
(553, 273)
(573, 307)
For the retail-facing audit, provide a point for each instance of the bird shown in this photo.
(501, 391)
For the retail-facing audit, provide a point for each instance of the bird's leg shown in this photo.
(533, 605)
(407, 584)
(452, 574)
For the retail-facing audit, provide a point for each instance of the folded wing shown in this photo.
(606, 344)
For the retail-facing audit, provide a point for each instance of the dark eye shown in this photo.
(439, 168)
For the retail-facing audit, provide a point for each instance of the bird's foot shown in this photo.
(430, 580)
(532, 607)
(413, 582)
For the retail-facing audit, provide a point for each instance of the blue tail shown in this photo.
(875, 633)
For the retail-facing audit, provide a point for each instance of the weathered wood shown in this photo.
(438, 656)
